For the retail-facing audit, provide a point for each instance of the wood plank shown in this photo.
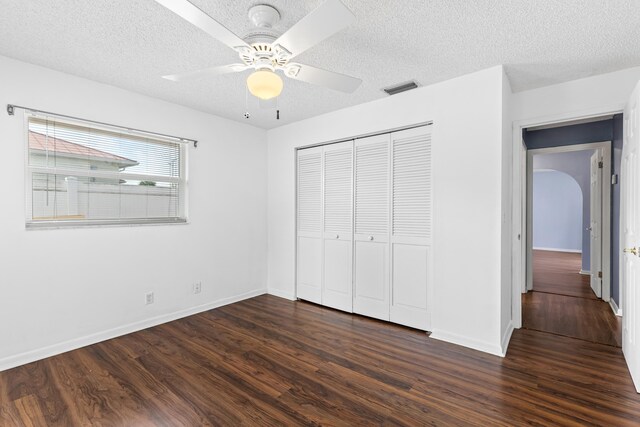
(559, 273)
(587, 319)
(30, 411)
(563, 303)
(269, 361)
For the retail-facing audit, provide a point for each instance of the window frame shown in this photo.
(29, 170)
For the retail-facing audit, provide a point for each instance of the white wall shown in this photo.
(592, 95)
(60, 289)
(467, 173)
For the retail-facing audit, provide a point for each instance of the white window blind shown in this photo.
(82, 174)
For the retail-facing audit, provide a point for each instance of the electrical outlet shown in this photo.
(149, 298)
(197, 287)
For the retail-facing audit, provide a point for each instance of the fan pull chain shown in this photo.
(246, 102)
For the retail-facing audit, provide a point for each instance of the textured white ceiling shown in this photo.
(131, 43)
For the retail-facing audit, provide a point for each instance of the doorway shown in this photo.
(569, 238)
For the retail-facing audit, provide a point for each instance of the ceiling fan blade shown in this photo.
(329, 18)
(197, 17)
(213, 71)
(320, 77)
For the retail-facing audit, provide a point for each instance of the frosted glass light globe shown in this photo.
(264, 84)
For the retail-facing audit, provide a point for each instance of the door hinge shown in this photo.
(599, 274)
(600, 164)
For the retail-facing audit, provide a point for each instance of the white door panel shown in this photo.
(309, 224)
(630, 203)
(309, 269)
(337, 254)
(337, 291)
(371, 285)
(410, 278)
(338, 284)
(372, 279)
(411, 220)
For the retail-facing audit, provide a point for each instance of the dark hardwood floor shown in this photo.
(559, 273)
(563, 303)
(269, 361)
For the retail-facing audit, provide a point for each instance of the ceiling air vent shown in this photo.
(402, 87)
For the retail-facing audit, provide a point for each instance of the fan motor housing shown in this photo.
(263, 53)
(264, 15)
(261, 36)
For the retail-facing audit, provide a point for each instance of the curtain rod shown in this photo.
(12, 107)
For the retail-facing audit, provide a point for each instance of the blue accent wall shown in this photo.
(557, 211)
(604, 130)
(577, 164)
(569, 135)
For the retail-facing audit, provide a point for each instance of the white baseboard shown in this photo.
(585, 272)
(506, 338)
(73, 344)
(616, 310)
(572, 251)
(467, 342)
(282, 294)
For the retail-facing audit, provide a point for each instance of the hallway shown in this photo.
(563, 303)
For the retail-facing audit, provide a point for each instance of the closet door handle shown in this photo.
(337, 236)
(370, 237)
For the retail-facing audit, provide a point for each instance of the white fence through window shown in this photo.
(84, 174)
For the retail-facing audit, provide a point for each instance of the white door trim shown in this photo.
(518, 259)
(606, 208)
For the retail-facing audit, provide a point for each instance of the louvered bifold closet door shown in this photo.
(411, 219)
(309, 222)
(337, 291)
(371, 234)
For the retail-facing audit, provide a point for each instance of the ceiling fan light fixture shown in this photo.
(264, 84)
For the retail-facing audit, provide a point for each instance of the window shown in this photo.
(79, 173)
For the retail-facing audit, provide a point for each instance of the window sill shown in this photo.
(58, 225)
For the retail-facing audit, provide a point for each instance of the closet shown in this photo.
(364, 221)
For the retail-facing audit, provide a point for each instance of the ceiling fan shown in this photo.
(265, 52)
